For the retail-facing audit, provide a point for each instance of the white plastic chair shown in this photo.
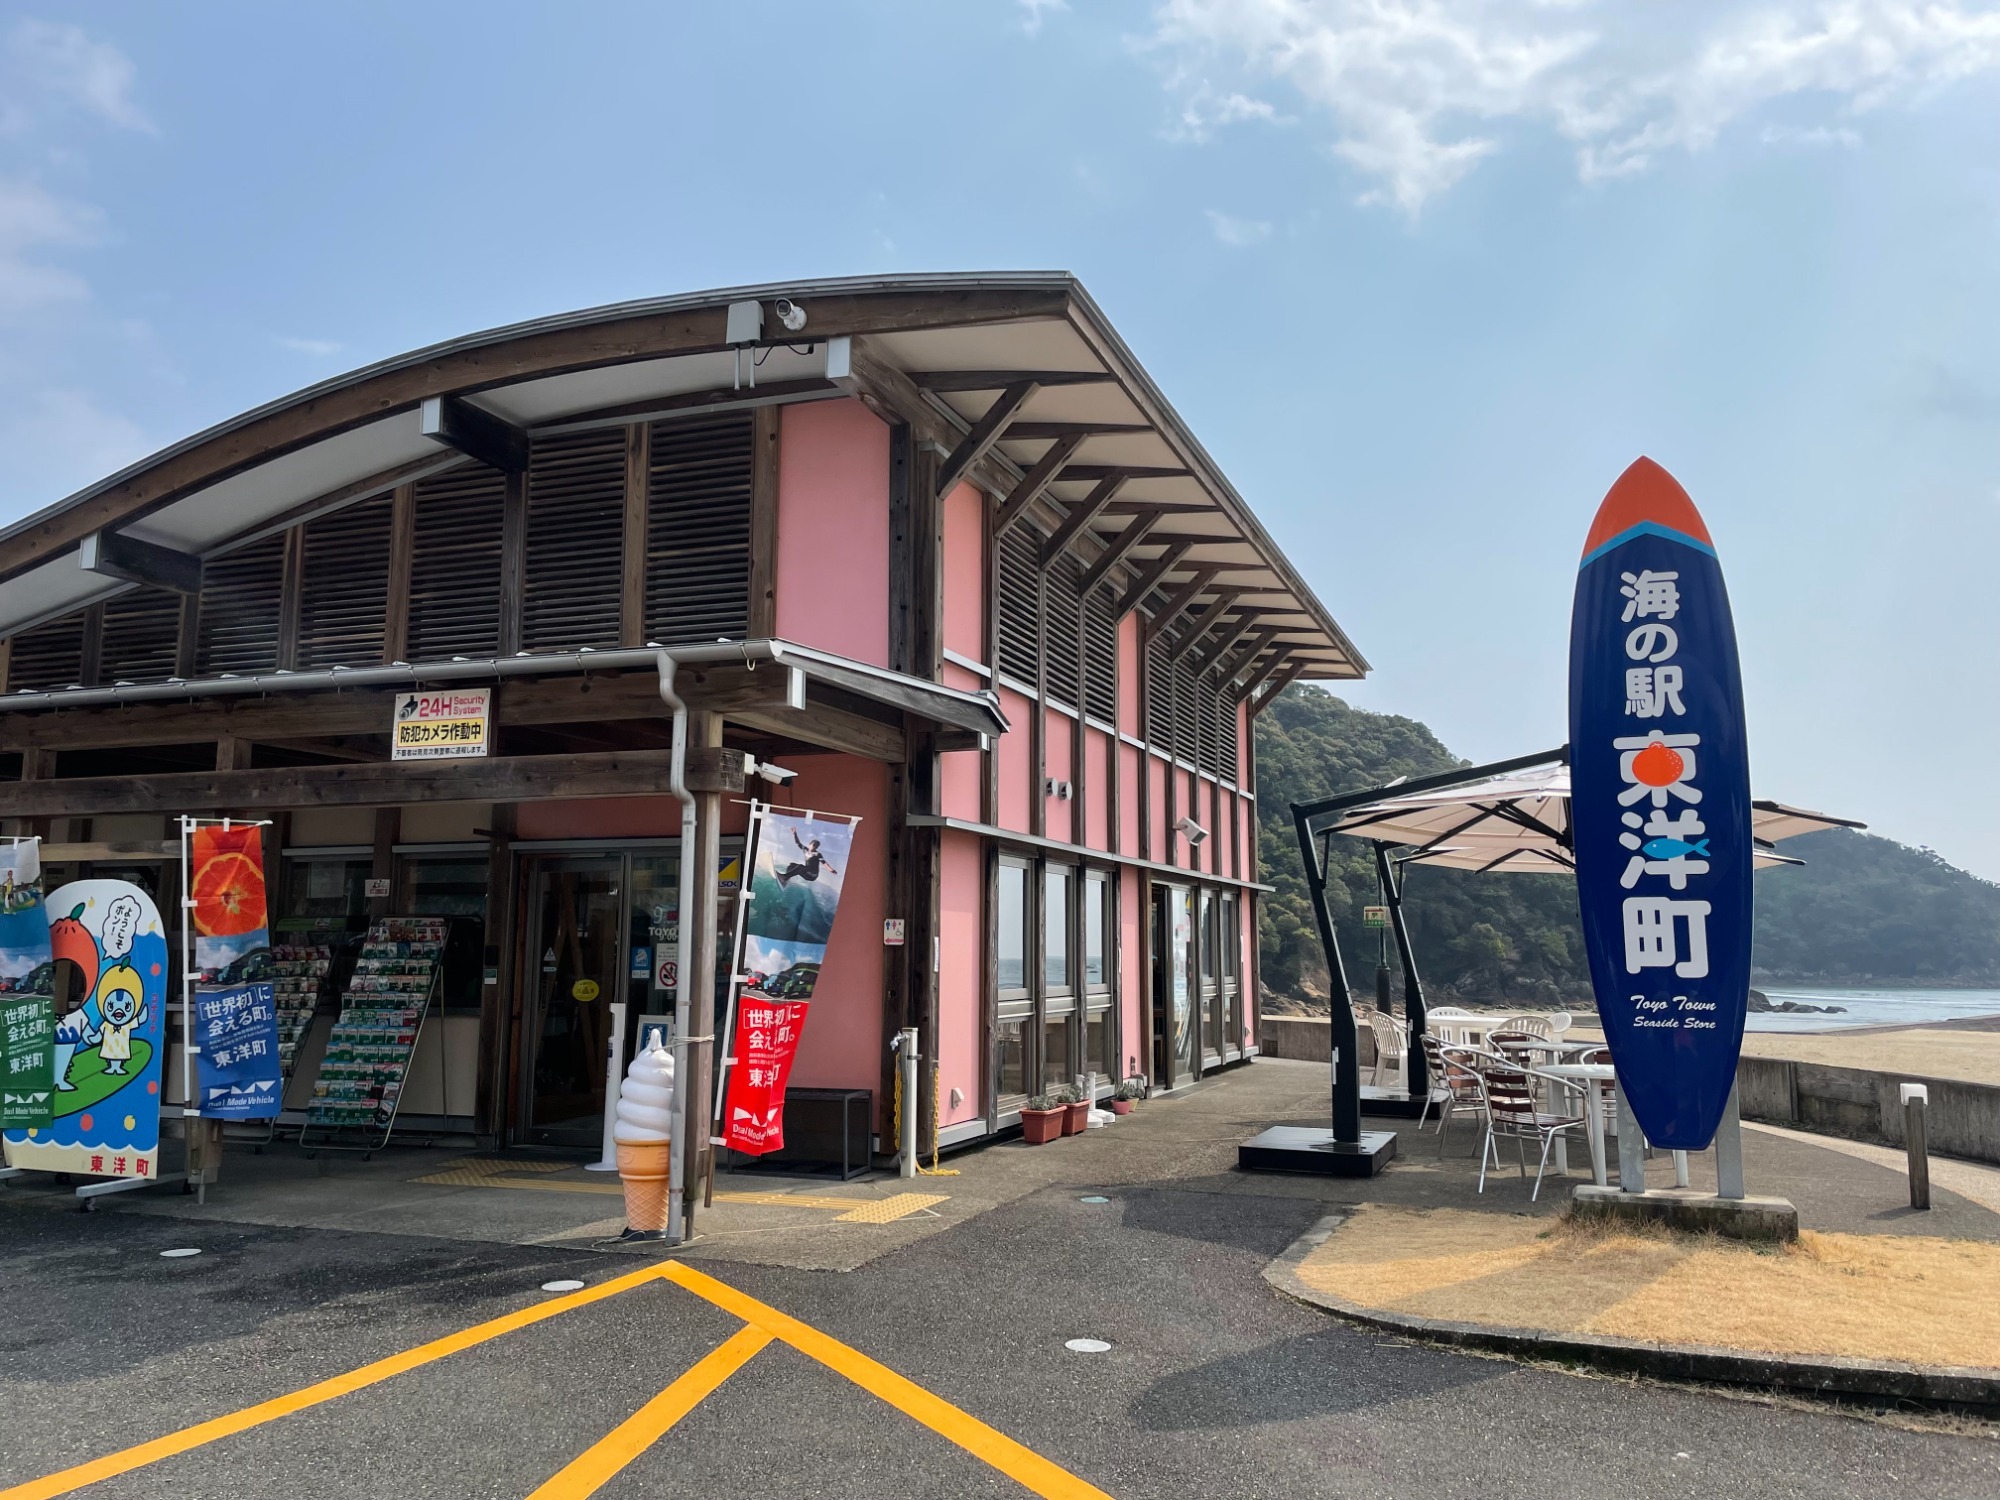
(1534, 1025)
(1441, 1024)
(1391, 1042)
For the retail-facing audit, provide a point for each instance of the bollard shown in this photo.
(1916, 1137)
(907, 1061)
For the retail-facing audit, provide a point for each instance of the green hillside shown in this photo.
(1864, 910)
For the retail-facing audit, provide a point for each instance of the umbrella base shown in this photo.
(1391, 1104)
(1290, 1148)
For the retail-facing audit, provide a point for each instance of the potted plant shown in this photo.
(1126, 1095)
(1042, 1119)
(1077, 1107)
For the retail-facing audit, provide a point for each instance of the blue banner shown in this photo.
(236, 1071)
(1660, 805)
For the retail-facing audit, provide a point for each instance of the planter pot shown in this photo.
(1040, 1126)
(1078, 1117)
(1121, 1106)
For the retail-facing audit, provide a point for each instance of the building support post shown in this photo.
(697, 982)
(1346, 1043)
(1417, 1063)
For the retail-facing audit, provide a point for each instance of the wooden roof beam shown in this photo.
(1180, 599)
(1279, 683)
(1280, 658)
(1203, 622)
(1149, 578)
(1075, 429)
(1033, 483)
(987, 431)
(454, 422)
(1087, 510)
(1259, 644)
(1117, 547)
(1245, 622)
(945, 381)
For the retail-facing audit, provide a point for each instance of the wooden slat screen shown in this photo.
(576, 541)
(455, 564)
(345, 587)
(1100, 654)
(1062, 625)
(1159, 693)
(49, 656)
(1187, 714)
(1208, 724)
(142, 634)
(241, 594)
(698, 530)
(1019, 603)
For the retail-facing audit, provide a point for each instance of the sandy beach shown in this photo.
(1966, 1050)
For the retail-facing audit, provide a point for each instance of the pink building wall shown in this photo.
(965, 573)
(1058, 816)
(1098, 767)
(1156, 776)
(962, 950)
(1128, 800)
(833, 529)
(842, 1043)
(959, 770)
(1128, 674)
(1016, 760)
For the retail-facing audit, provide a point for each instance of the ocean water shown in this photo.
(1875, 1008)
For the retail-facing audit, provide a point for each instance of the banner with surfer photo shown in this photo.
(238, 1075)
(798, 864)
(110, 975)
(27, 990)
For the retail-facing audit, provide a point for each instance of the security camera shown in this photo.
(790, 314)
(776, 775)
(1190, 830)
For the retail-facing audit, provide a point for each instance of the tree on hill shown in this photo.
(1864, 910)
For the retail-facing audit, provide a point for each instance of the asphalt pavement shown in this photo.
(1214, 1385)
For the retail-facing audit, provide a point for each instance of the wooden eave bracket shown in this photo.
(456, 423)
(112, 554)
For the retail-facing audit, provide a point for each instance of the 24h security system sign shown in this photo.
(1660, 805)
(441, 726)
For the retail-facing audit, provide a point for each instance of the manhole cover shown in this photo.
(177, 1254)
(1087, 1346)
(1094, 1198)
(562, 1286)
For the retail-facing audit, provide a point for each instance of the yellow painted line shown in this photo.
(851, 1210)
(1021, 1464)
(128, 1459)
(593, 1468)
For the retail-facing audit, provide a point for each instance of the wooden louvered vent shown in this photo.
(1209, 725)
(1100, 655)
(142, 635)
(576, 541)
(1187, 713)
(1019, 603)
(1062, 625)
(241, 595)
(344, 593)
(698, 530)
(455, 564)
(1159, 695)
(49, 656)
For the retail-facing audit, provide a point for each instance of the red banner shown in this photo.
(767, 1038)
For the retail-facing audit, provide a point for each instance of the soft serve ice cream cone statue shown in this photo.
(643, 1133)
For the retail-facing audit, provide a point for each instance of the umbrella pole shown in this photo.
(1346, 1044)
(1418, 1064)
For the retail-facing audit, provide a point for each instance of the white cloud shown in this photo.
(45, 62)
(33, 220)
(318, 348)
(1037, 12)
(1816, 135)
(1203, 111)
(58, 440)
(1420, 91)
(1238, 234)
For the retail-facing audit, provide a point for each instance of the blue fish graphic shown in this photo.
(1664, 848)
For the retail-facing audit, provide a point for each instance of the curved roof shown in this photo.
(1017, 373)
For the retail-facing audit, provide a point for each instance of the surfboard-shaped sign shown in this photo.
(1660, 805)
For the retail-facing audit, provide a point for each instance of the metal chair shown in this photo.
(1453, 1084)
(1508, 1094)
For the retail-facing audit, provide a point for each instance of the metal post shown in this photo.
(906, 1064)
(1346, 1044)
(614, 1073)
(697, 987)
(1729, 1150)
(1631, 1147)
(1418, 1065)
(1917, 1139)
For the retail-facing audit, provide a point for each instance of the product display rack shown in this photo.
(298, 974)
(367, 1059)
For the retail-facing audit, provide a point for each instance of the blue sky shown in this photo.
(1424, 275)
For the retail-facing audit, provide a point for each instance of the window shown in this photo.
(1057, 974)
(1099, 1042)
(450, 886)
(1010, 1059)
(1013, 929)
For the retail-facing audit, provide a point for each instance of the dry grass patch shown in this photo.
(1918, 1299)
